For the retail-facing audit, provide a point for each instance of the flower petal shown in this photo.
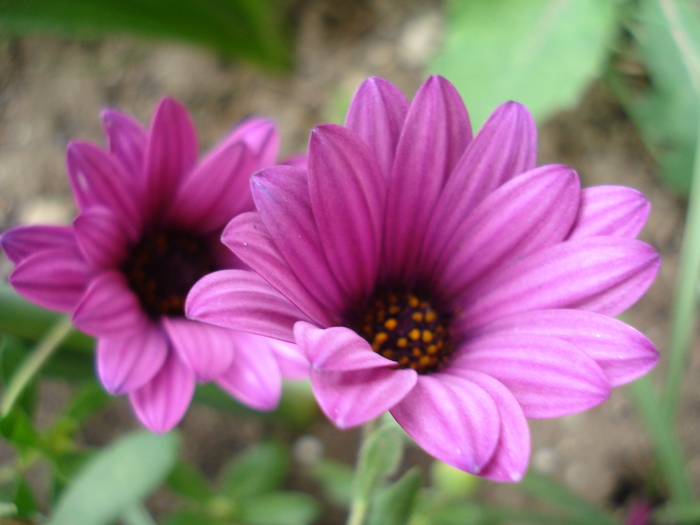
(161, 403)
(452, 419)
(127, 363)
(293, 364)
(109, 308)
(248, 238)
(54, 278)
(434, 136)
(260, 135)
(127, 140)
(510, 459)
(348, 196)
(24, 241)
(337, 349)
(206, 350)
(171, 153)
(242, 300)
(352, 398)
(548, 376)
(254, 377)
(101, 237)
(611, 210)
(377, 113)
(623, 353)
(601, 274)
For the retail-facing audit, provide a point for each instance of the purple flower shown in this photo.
(440, 277)
(149, 227)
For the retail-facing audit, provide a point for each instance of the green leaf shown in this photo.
(89, 399)
(542, 53)
(394, 504)
(379, 457)
(7, 509)
(451, 482)
(117, 478)
(261, 468)
(17, 428)
(336, 480)
(279, 508)
(188, 481)
(190, 517)
(13, 352)
(248, 29)
(24, 499)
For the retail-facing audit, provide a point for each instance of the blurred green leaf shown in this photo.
(542, 53)
(279, 508)
(188, 481)
(252, 30)
(24, 499)
(18, 428)
(190, 517)
(7, 509)
(116, 478)
(13, 352)
(261, 468)
(89, 399)
(393, 505)
(336, 480)
(450, 482)
(379, 457)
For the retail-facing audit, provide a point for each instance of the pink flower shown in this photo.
(149, 226)
(439, 277)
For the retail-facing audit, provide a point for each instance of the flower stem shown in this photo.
(34, 362)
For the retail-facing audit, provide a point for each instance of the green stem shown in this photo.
(137, 515)
(359, 506)
(34, 362)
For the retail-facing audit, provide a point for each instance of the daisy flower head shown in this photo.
(440, 276)
(149, 226)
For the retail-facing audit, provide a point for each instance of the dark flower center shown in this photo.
(162, 268)
(408, 329)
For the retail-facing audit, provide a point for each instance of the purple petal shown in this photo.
(102, 240)
(249, 239)
(611, 210)
(127, 363)
(348, 195)
(352, 398)
(452, 419)
(601, 274)
(170, 154)
(217, 191)
(20, 243)
(293, 364)
(127, 140)
(54, 278)
(297, 161)
(548, 376)
(281, 195)
(509, 460)
(530, 212)
(434, 136)
(337, 349)
(254, 377)
(109, 308)
(161, 403)
(207, 350)
(242, 300)
(505, 146)
(261, 137)
(623, 353)
(377, 114)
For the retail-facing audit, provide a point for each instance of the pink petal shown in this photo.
(509, 460)
(601, 274)
(127, 363)
(623, 353)
(98, 178)
(297, 161)
(54, 278)
(127, 140)
(293, 364)
(348, 196)
(452, 419)
(102, 239)
(434, 136)
(161, 403)
(281, 195)
(19, 243)
(376, 115)
(611, 210)
(260, 135)
(207, 350)
(337, 349)
(217, 191)
(548, 376)
(249, 239)
(530, 212)
(352, 398)
(254, 377)
(109, 308)
(242, 300)
(171, 153)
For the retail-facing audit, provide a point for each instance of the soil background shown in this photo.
(52, 90)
